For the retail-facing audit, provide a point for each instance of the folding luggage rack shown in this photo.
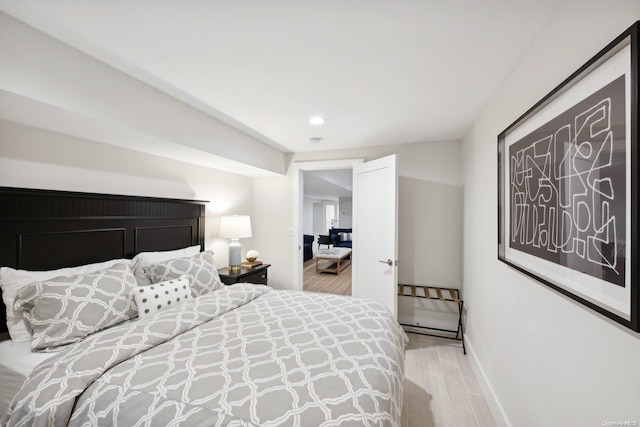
(453, 296)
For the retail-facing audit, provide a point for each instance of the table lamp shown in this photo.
(235, 227)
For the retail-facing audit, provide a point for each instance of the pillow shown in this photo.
(12, 280)
(200, 269)
(145, 259)
(151, 299)
(64, 310)
(345, 236)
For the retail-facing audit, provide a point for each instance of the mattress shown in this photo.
(16, 363)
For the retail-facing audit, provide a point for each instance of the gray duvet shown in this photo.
(245, 355)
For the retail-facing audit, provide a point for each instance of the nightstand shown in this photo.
(256, 275)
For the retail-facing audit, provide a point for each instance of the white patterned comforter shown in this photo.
(245, 355)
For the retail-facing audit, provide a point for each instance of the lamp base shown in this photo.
(234, 256)
(235, 268)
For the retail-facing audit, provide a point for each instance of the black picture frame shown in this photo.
(568, 183)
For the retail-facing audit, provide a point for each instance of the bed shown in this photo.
(235, 355)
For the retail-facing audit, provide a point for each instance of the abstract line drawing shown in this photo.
(567, 187)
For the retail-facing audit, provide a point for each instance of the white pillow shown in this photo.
(145, 259)
(11, 280)
(151, 299)
(345, 237)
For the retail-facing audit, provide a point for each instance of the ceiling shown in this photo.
(380, 72)
(328, 184)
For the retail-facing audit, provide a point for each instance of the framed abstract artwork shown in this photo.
(568, 185)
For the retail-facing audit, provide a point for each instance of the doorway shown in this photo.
(305, 224)
(326, 230)
(375, 253)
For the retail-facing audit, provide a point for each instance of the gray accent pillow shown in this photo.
(200, 269)
(66, 309)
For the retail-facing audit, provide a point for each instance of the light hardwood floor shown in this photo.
(440, 389)
(339, 284)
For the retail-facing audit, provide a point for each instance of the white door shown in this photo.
(375, 226)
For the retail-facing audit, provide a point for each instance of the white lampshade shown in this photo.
(235, 226)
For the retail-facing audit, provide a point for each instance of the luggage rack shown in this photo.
(453, 296)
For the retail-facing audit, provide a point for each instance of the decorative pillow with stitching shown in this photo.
(200, 269)
(64, 310)
(146, 259)
(150, 299)
(12, 280)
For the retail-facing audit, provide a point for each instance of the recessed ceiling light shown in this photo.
(315, 139)
(317, 120)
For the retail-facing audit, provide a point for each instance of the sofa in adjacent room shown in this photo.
(307, 247)
(341, 237)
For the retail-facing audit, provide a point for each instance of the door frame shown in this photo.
(299, 167)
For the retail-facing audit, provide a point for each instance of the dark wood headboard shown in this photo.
(46, 230)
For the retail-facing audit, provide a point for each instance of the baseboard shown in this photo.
(499, 415)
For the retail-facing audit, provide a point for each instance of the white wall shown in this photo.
(430, 229)
(429, 248)
(318, 218)
(345, 211)
(272, 202)
(35, 158)
(307, 215)
(546, 359)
